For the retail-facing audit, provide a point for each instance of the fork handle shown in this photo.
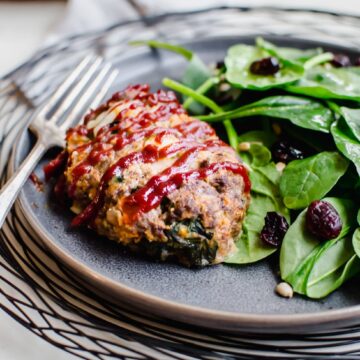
(10, 191)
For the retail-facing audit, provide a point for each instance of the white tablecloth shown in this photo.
(24, 27)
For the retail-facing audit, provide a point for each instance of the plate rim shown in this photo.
(218, 319)
(211, 318)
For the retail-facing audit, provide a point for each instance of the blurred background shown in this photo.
(27, 25)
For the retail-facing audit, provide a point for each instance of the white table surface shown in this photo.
(24, 27)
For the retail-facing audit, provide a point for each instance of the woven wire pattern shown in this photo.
(41, 294)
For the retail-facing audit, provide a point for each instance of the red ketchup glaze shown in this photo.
(98, 153)
(142, 120)
(124, 139)
(77, 173)
(149, 154)
(196, 129)
(125, 130)
(130, 93)
(168, 105)
(80, 130)
(55, 166)
(151, 195)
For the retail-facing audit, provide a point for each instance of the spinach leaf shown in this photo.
(239, 59)
(264, 176)
(356, 239)
(348, 186)
(308, 58)
(249, 246)
(277, 52)
(297, 244)
(303, 112)
(258, 136)
(304, 181)
(265, 180)
(318, 59)
(346, 143)
(292, 61)
(358, 217)
(261, 184)
(300, 250)
(332, 267)
(317, 268)
(352, 119)
(298, 55)
(328, 83)
(298, 279)
(258, 155)
(265, 197)
(271, 173)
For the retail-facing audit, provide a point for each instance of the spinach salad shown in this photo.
(294, 118)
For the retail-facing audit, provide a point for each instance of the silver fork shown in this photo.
(91, 79)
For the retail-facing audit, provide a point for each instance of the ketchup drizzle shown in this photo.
(196, 129)
(151, 195)
(55, 166)
(149, 154)
(126, 129)
(98, 153)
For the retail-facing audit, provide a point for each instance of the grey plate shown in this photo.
(234, 298)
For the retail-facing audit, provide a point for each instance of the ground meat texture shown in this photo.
(141, 172)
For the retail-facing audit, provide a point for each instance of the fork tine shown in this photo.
(72, 96)
(61, 90)
(77, 110)
(104, 89)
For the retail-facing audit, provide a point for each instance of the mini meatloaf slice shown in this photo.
(142, 172)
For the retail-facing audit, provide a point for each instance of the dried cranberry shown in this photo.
(282, 151)
(341, 60)
(274, 229)
(265, 66)
(323, 221)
